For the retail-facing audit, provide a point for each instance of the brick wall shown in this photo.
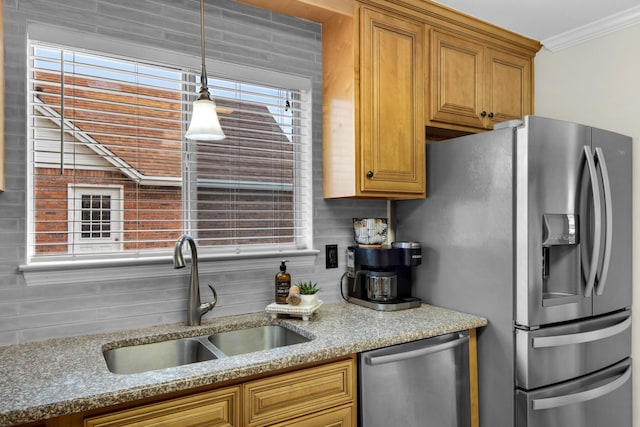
(237, 34)
(142, 204)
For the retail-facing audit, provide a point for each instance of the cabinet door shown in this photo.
(392, 104)
(336, 417)
(457, 78)
(219, 408)
(297, 394)
(508, 86)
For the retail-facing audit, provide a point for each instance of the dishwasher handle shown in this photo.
(419, 352)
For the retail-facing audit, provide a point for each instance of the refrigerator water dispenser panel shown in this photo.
(559, 229)
(560, 259)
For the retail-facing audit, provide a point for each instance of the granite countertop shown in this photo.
(62, 376)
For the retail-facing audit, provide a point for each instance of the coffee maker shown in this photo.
(380, 277)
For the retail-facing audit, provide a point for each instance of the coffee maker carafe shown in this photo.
(380, 278)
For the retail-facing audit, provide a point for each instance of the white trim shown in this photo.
(67, 272)
(593, 30)
(304, 196)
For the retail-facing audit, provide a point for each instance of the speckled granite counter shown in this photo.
(62, 376)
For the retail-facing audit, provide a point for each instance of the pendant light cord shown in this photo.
(204, 89)
(204, 124)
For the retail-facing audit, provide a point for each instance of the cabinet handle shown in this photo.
(491, 115)
(370, 174)
(483, 114)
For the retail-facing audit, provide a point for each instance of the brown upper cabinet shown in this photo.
(392, 68)
(475, 85)
(392, 152)
(373, 132)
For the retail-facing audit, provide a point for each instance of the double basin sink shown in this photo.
(183, 351)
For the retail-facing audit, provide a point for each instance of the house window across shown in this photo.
(111, 173)
(95, 219)
(95, 216)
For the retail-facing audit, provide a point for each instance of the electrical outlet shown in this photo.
(331, 252)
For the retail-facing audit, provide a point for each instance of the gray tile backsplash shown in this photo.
(236, 33)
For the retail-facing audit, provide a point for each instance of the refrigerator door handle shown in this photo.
(580, 338)
(606, 259)
(404, 355)
(597, 212)
(568, 399)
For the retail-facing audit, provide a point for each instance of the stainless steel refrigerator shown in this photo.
(530, 225)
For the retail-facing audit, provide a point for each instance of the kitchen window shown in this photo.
(104, 120)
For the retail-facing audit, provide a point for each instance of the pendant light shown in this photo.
(204, 125)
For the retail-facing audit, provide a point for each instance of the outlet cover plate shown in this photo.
(331, 252)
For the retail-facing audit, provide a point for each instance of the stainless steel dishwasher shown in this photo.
(422, 383)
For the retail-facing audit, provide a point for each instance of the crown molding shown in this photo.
(594, 30)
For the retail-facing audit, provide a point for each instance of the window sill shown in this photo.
(68, 272)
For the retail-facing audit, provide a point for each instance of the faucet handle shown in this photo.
(215, 295)
(208, 306)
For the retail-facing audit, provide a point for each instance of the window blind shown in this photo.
(107, 152)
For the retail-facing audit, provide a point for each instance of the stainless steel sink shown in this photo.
(149, 357)
(183, 351)
(244, 341)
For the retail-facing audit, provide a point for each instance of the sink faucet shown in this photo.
(196, 309)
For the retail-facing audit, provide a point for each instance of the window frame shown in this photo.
(94, 44)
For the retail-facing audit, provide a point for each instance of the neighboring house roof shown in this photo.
(254, 139)
(109, 112)
(105, 121)
(102, 150)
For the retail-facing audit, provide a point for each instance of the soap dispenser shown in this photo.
(283, 283)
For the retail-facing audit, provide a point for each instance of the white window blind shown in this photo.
(101, 122)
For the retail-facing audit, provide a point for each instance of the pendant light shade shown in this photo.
(204, 125)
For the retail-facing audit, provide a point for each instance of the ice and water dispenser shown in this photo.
(561, 253)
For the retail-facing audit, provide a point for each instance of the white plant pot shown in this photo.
(308, 300)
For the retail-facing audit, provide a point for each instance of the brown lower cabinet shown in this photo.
(288, 397)
(217, 408)
(314, 396)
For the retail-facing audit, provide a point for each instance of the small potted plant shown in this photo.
(308, 292)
